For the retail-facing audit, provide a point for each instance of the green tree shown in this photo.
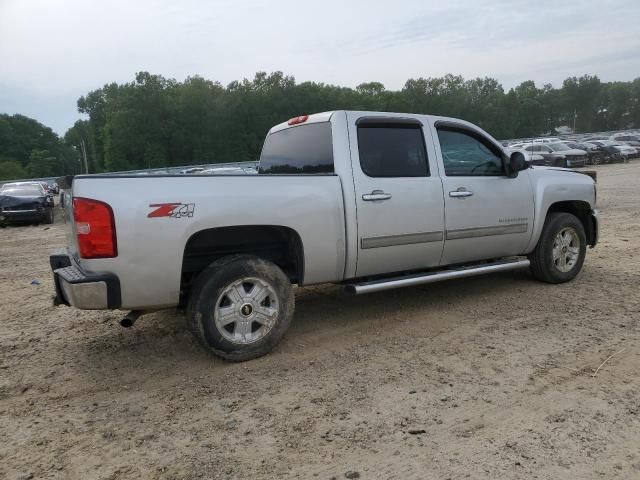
(12, 170)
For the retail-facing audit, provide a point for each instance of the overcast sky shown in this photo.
(52, 52)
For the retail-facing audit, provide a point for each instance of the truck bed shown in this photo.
(152, 235)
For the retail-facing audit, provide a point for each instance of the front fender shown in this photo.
(554, 187)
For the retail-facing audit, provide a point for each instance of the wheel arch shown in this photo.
(580, 209)
(275, 243)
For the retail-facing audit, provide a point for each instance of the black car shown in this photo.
(25, 203)
(596, 154)
(613, 154)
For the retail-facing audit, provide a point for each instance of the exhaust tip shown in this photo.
(126, 322)
(130, 318)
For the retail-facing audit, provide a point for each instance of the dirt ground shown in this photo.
(489, 377)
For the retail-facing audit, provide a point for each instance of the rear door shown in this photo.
(399, 200)
(488, 214)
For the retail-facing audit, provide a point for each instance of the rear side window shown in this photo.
(305, 149)
(392, 150)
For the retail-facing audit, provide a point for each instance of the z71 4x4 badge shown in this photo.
(173, 210)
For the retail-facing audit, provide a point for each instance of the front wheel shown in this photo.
(48, 216)
(560, 252)
(240, 307)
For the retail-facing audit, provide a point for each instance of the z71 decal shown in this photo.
(173, 210)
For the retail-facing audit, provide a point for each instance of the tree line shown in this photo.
(155, 122)
(28, 149)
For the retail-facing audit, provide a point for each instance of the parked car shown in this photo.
(530, 158)
(189, 171)
(596, 154)
(25, 202)
(571, 157)
(550, 157)
(368, 200)
(627, 139)
(228, 171)
(546, 140)
(619, 152)
(53, 187)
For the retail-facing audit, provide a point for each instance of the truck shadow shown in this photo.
(325, 319)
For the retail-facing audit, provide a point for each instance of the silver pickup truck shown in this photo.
(368, 200)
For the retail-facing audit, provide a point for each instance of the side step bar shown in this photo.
(432, 277)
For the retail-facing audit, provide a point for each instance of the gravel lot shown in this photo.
(488, 377)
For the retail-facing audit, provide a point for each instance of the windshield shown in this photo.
(22, 191)
(558, 147)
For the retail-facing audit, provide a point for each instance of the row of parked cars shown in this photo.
(27, 202)
(571, 152)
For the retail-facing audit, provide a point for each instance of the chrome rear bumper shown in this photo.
(87, 291)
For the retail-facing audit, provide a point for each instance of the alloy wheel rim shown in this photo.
(246, 310)
(566, 249)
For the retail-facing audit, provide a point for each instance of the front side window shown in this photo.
(305, 149)
(392, 150)
(466, 154)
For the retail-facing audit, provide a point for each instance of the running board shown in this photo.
(432, 277)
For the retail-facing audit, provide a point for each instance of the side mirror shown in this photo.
(517, 163)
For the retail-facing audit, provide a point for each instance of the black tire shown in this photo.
(48, 216)
(208, 291)
(543, 266)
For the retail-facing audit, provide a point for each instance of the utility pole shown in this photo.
(83, 150)
(575, 115)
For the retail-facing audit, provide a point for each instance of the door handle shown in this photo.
(460, 192)
(376, 195)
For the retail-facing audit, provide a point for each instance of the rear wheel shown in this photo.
(241, 307)
(561, 249)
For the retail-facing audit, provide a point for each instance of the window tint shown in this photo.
(464, 154)
(303, 149)
(392, 150)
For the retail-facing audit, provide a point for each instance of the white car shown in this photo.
(546, 140)
(530, 158)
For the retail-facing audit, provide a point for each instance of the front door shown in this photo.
(399, 201)
(488, 214)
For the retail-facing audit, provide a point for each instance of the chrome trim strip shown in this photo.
(486, 231)
(404, 239)
(376, 286)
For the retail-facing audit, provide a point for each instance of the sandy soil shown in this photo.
(481, 378)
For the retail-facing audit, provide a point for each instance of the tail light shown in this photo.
(95, 228)
(298, 120)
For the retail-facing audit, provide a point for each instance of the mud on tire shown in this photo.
(560, 252)
(240, 307)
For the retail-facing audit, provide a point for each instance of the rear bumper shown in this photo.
(87, 291)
